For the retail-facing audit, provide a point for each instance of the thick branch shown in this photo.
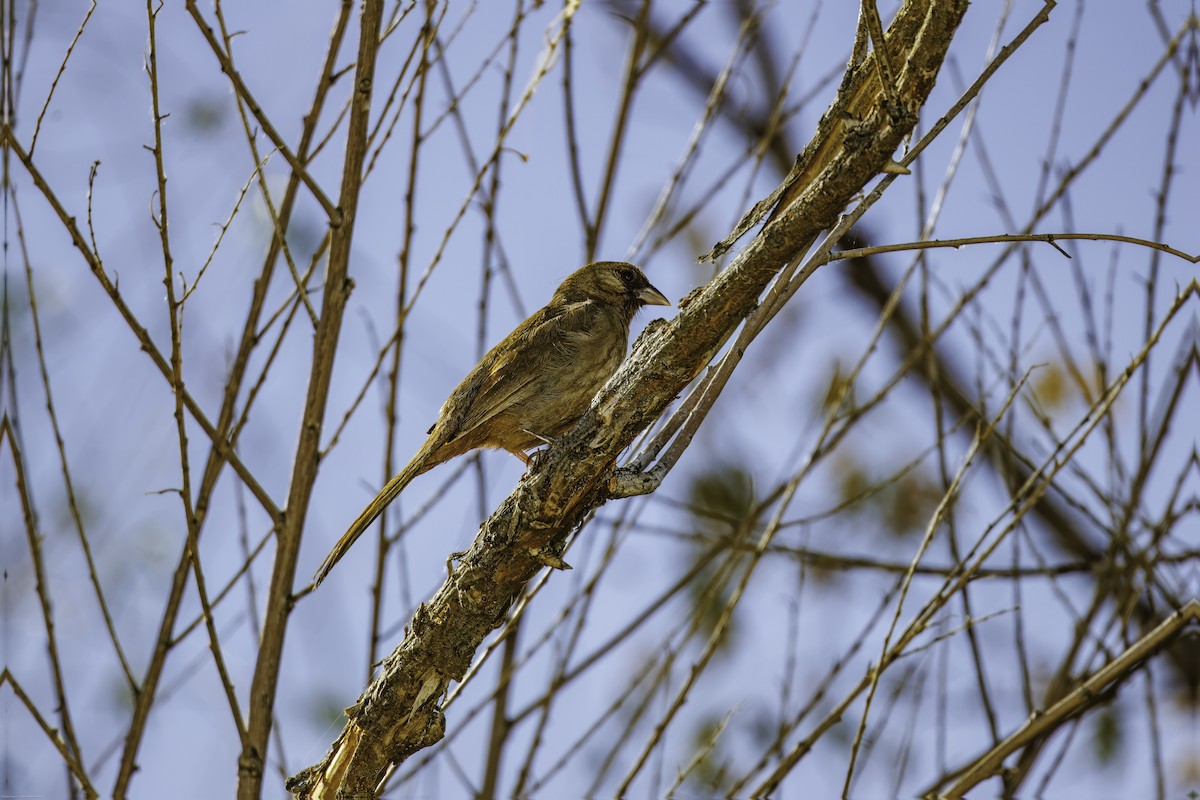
(400, 711)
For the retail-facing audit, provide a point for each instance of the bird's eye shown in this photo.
(628, 276)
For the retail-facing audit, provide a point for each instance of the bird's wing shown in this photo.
(510, 372)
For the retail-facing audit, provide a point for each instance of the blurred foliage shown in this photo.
(722, 503)
(911, 502)
(721, 499)
(818, 572)
(852, 480)
(1108, 735)
(1051, 386)
(837, 385)
(304, 234)
(902, 506)
(1056, 385)
(763, 727)
(204, 114)
(712, 774)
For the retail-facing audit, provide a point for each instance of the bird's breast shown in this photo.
(581, 362)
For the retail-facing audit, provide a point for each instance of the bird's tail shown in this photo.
(419, 464)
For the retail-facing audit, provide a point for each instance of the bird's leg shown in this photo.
(533, 459)
(529, 460)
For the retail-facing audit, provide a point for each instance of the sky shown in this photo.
(115, 410)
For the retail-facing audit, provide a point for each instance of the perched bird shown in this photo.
(533, 386)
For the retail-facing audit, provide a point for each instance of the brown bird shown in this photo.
(533, 386)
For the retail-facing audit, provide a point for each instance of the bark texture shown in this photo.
(399, 713)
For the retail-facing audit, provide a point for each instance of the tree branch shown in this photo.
(400, 711)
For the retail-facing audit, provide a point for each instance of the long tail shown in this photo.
(420, 463)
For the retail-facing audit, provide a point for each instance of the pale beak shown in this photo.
(653, 297)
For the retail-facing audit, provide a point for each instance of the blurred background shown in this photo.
(976, 465)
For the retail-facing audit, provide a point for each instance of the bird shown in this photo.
(534, 385)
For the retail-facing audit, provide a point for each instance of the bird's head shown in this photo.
(612, 282)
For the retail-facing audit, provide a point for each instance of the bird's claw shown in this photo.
(534, 459)
(537, 457)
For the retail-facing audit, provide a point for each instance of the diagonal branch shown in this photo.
(400, 711)
(1085, 696)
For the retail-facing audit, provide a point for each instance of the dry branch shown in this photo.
(400, 711)
(1086, 695)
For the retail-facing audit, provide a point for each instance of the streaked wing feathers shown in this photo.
(508, 375)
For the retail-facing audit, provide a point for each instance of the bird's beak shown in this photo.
(653, 297)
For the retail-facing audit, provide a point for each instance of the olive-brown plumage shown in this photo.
(532, 387)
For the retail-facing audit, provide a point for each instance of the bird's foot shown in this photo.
(534, 459)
